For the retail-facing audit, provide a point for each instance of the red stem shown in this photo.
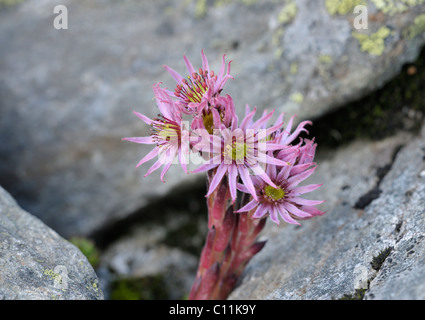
(230, 244)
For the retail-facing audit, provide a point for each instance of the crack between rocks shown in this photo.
(375, 192)
(376, 264)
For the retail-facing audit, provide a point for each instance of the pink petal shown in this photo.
(242, 188)
(244, 174)
(221, 170)
(258, 171)
(189, 66)
(306, 202)
(204, 167)
(176, 76)
(205, 65)
(249, 206)
(144, 140)
(302, 176)
(274, 161)
(270, 130)
(153, 153)
(286, 217)
(216, 118)
(312, 210)
(299, 168)
(274, 215)
(279, 118)
(164, 171)
(155, 166)
(143, 117)
(182, 156)
(233, 171)
(221, 72)
(295, 134)
(305, 189)
(260, 212)
(263, 120)
(284, 172)
(247, 120)
(271, 170)
(164, 103)
(295, 211)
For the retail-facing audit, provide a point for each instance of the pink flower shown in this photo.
(218, 116)
(167, 133)
(201, 87)
(283, 200)
(238, 151)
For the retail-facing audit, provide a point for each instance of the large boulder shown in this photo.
(67, 94)
(36, 263)
(371, 242)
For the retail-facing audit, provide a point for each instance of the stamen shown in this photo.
(236, 152)
(165, 131)
(193, 88)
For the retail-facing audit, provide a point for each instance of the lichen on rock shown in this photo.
(392, 7)
(373, 44)
(342, 7)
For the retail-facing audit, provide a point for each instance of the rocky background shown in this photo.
(66, 100)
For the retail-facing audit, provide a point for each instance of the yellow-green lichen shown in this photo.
(294, 68)
(325, 59)
(342, 7)
(9, 2)
(278, 53)
(200, 8)
(417, 28)
(398, 106)
(392, 7)
(277, 36)
(373, 44)
(287, 13)
(56, 277)
(297, 97)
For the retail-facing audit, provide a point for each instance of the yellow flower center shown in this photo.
(168, 133)
(237, 151)
(208, 122)
(193, 88)
(274, 193)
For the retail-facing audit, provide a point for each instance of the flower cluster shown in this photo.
(265, 162)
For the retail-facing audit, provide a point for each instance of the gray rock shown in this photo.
(369, 244)
(36, 263)
(142, 253)
(67, 95)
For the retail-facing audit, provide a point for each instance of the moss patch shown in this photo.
(398, 105)
(377, 261)
(357, 295)
(88, 248)
(146, 288)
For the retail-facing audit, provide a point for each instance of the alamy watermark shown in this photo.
(59, 275)
(361, 20)
(61, 20)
